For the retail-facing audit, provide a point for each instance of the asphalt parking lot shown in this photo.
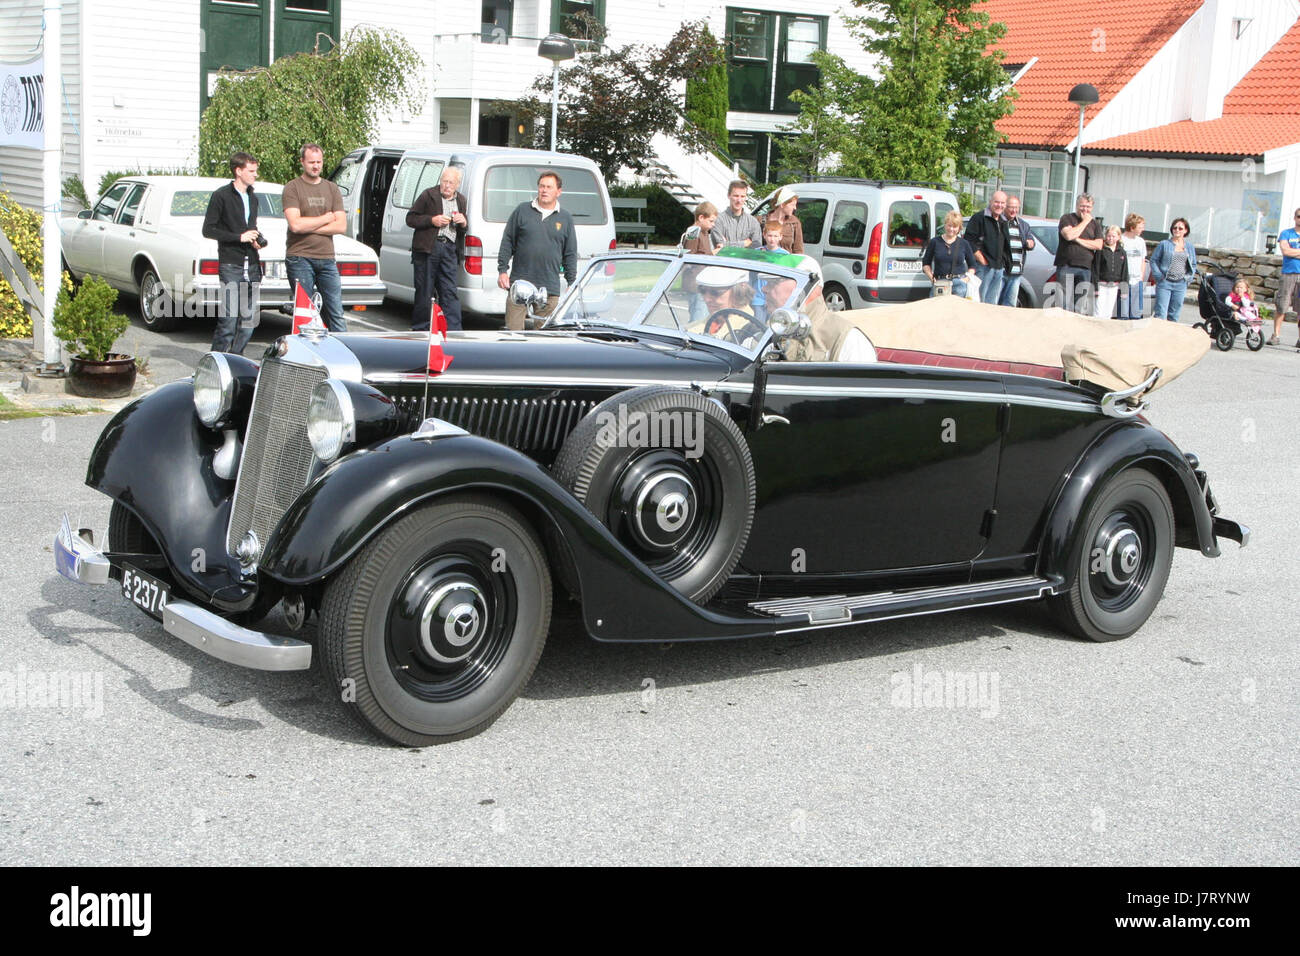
(1174, 747)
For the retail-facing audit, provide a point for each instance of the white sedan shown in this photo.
(145, 237)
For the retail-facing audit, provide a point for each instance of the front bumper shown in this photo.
(77, 559)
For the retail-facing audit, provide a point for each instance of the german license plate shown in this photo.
(274, 268)
(903, 265)
(144, 591)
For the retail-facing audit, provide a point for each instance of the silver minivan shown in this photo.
(869, 235)
(381, 183)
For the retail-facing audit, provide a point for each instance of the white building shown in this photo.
(137, 74)
(1199, 113)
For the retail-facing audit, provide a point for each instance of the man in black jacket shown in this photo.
(232, 221)
(987, 234)
(438, 218)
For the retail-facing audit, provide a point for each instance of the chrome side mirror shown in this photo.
(523, 292)
(788, 324)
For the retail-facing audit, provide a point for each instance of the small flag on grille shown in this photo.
(438, 360)
(305, 313)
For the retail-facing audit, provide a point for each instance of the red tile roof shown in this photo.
(1076, 41)
(1270, 86)
(1228, 136)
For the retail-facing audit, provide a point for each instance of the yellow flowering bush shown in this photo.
(22, 226)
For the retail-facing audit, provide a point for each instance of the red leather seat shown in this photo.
(914, 357)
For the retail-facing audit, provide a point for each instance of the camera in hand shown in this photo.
(261, 241)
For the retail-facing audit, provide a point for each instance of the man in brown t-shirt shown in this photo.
(1080, 238)
(313, 208)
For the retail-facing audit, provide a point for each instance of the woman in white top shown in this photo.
(1135, 247)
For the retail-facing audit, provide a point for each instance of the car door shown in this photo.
(413, 177)
(121, 241)
(844, 257)
(83, 245)
(873, 468)
(909, 226)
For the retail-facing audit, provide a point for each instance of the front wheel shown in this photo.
(837, 300)
(434, 628)
(1254, 339)
(1125, 548)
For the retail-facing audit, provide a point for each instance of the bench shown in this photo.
(637, 228)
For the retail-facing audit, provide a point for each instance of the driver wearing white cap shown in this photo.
(729, 298)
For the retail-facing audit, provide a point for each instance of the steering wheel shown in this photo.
(726, 326)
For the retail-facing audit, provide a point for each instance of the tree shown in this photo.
(333, 99)
(929, 114)
(615, 100)
(708, 95)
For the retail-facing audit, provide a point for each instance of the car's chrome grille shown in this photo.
(535, 426)
(277, 456)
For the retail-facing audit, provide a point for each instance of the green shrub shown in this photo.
(107, 180)
(75, 189)
(707, 95)
(86, 323)
(666, 214)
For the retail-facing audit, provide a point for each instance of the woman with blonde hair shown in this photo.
(949, 257)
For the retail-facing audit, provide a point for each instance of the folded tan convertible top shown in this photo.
(1112, 354)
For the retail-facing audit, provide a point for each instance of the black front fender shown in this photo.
(357, 496)
(155, 457)
(1131, 444)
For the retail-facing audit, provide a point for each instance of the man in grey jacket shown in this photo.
(736, 227)
(540, 238)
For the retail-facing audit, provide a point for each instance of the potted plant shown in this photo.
(87, 326)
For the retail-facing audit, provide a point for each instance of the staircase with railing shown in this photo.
(690, 177)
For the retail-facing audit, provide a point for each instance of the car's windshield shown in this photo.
(725, 298)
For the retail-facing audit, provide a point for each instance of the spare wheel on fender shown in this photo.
(670, 474)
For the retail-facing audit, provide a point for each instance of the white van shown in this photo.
(869, 235)
(380, 184)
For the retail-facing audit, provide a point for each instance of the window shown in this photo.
(764, 72)
(941, 210)
(106, 208)
(909, 224)
(346, 176)
(194, 202)
(849, 227)
(414, 176)
(812, 216)
(566, 16)
(132, 205)
(497, 20)
(505, 187)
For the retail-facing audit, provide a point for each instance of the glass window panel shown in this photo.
(311, 6)
(1013, 176)
(1031, 203)
(749, 37)
(1057, 180)
(413, 177)
(812, 216)
(803, 39)
(132, 205)
(346, 176)
(1034, 176)
(505, 187)
(849, 226)
(106, 208)
(1057, 204)
(941, 210)
(909, 224)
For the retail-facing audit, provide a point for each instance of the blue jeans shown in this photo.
(239, 314)
(990, 283)
(320, 275)
(1076, 288)
(1169, 298)
(1130, 305)
(1010, 291)
(435, 273)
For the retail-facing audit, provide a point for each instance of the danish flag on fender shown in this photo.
(305, 313)
(438, 360)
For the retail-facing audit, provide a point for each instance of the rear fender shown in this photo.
(1128, 445)
(359, 495)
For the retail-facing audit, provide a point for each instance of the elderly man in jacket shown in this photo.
(987, 234)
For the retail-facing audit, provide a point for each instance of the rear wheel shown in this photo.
(157, 308)
(837, 299)
(1225, 339)
(1125, 548)
(1254, 339)
(434, 628)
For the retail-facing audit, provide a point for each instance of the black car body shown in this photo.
(806, 496)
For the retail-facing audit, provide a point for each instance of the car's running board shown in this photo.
(882, 605)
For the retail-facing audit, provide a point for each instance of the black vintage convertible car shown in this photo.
(651, 451)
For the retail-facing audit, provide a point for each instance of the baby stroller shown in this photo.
(1222, 324)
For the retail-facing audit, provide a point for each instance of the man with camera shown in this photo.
(232, 221)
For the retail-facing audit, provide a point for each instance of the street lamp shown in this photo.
(1082, 96)
(557, 48)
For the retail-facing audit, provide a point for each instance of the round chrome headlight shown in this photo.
(786, 323)
(331, 421)
(214, 388)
